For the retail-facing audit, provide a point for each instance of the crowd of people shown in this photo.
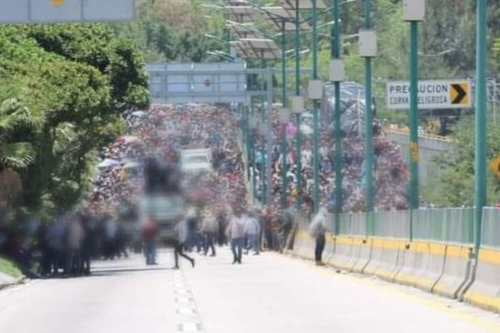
(390, 175)
(222, 212)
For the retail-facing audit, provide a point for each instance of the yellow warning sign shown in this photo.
(57, 3)
(495, 167)
(460, 93)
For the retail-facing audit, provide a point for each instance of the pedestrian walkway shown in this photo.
(269, 293)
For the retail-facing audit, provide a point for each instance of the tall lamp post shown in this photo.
(299, 101)
(297, 109)
(253, 126)
(414, 12)
(337, 75)
(481, 116)
(315, 93)
(368, 50)
(284, 118)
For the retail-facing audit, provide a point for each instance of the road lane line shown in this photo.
(187, 311)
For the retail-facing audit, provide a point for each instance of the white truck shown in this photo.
(195, 161)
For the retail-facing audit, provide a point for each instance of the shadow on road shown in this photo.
(111, 272)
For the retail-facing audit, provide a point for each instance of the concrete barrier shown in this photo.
(385, 256)
(423, 265)
(432, 266)
(303, 246)
(343, 251)
(356, 253)
(363, 256)
(485, 290)
(457, 271)
(329, 251)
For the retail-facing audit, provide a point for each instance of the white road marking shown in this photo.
(188, 316)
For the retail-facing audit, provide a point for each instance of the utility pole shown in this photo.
(312, 95)
(297, 94)
(481, 118)
(368, 50)
(284, 143)
(337, 73)
(414, 12)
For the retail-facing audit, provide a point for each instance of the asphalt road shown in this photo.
(266, 294)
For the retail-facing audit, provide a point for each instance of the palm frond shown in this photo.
(13, 114)
(17, 155)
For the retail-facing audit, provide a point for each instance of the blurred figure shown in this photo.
(317, 230)
(89, 244)
(179, 243)
(55, 241)
(110, 233)
(162, 208)
(268, 228)
(253, 232)
(74, 239)
(221, 228)
(236, 234)
(209, 230)
(286, 226)
(150, 234)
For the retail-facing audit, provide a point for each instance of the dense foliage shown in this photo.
(455, 185)
(63, 89)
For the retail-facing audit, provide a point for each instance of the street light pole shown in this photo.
(336, 54)
(481, 117)
(414, 12)
(252, 151)
(263, 151)
(367, 7)
(414, 146)
(268, 121)
(316, 107)
(297, 93)
(284, 148)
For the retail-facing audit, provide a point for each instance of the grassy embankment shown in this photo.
(9, 268)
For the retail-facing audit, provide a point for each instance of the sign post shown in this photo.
(54, 11)
(435, 94)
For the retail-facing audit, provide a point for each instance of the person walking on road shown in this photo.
(150, 234)
(253, 231)
(317, 230)
(236, 233)
(179, 242)
(209, 230)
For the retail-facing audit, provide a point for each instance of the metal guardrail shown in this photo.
(490, 233)
(446, 225)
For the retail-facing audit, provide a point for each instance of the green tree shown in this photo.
(74, 81)
(455, 185)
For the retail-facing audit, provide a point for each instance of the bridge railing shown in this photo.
(447, 225)
(490, 233)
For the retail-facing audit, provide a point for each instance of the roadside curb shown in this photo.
(13, 283)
